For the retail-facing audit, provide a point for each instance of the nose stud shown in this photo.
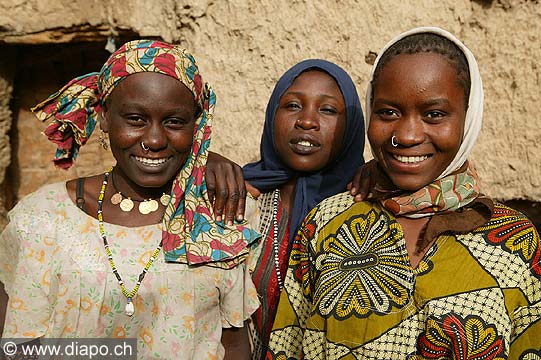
(394, 143)
(144, 147)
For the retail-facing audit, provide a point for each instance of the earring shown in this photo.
(144, 147)
(394, 143)
(103, 140)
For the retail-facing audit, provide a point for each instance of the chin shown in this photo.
(402, 182)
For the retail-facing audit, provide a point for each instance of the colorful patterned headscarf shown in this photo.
(190, 234)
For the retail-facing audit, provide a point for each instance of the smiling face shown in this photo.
(155, 109)
(310, 121)
(418, 99)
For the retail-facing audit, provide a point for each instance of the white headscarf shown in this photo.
(474, 114)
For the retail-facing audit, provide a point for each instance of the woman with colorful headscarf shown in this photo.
(429, 268)
(83, 259)
(312, 144)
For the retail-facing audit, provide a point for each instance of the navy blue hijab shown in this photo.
(270, 172)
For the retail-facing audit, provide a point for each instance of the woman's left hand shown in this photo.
(363, 181)
(226, 188)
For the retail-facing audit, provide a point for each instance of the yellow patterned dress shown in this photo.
(350, 292)
(60, 285)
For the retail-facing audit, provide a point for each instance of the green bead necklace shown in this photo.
(130, 309)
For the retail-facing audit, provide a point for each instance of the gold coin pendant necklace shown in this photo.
(146, 206)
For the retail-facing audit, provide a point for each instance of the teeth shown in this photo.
(410, 159)
(151, 162)
(305, 143)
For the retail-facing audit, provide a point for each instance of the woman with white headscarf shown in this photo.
(429, 267)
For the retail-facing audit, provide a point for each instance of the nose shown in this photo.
(409, 131)
(308, 119)
(155, 137)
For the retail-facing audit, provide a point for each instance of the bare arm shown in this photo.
(236, 343)
(226, 188)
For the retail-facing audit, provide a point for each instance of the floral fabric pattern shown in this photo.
(512, 231)
(59, 283)
(190, 234)
(447, 194)
(348, 282)
(452, 337)
(350, 291)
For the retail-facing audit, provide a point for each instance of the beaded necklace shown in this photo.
(275, 247)
(130, 309)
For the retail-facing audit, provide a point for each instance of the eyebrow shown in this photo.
(431, 102)
(437, 101)
(301, 93)
(128, 107)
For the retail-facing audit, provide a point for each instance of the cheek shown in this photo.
(376, 133)
(336, 137)
(280, 125)
(451, 138)
(122, 141)
(183, 142)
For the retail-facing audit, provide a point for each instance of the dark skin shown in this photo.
(236, 343)
(227, 189)
(160, 111)
(232, 207)
(419, 100)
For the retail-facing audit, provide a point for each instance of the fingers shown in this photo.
(226, 188)
(232, 200)
(241, 185)
(221, 194)
(365, 185)
(363, 181)
(210, 178)
(355, 183)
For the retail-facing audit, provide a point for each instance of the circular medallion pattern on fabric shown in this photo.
(363, 268)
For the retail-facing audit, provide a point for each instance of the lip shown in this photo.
(152, 164)
(410, 159)
(304, 144)
(408, 162)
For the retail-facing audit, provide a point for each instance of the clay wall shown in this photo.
(242, 47)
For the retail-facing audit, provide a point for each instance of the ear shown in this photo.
(104, 121)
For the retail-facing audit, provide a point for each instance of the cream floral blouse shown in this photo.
(60, 284)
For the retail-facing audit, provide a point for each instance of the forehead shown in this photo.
(151, 85)
(422, 74)
(314, 78)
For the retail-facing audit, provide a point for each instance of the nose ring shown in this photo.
(144, 147)
(394, 143)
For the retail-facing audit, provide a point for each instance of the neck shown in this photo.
(287, 194)
(129, 188)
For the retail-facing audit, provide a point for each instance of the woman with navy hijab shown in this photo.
(311, 147)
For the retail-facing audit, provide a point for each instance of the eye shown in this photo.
(329, 110)
(135, 119)
(434, 115)
(387, 114)
(175, 122)
(292, 105)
